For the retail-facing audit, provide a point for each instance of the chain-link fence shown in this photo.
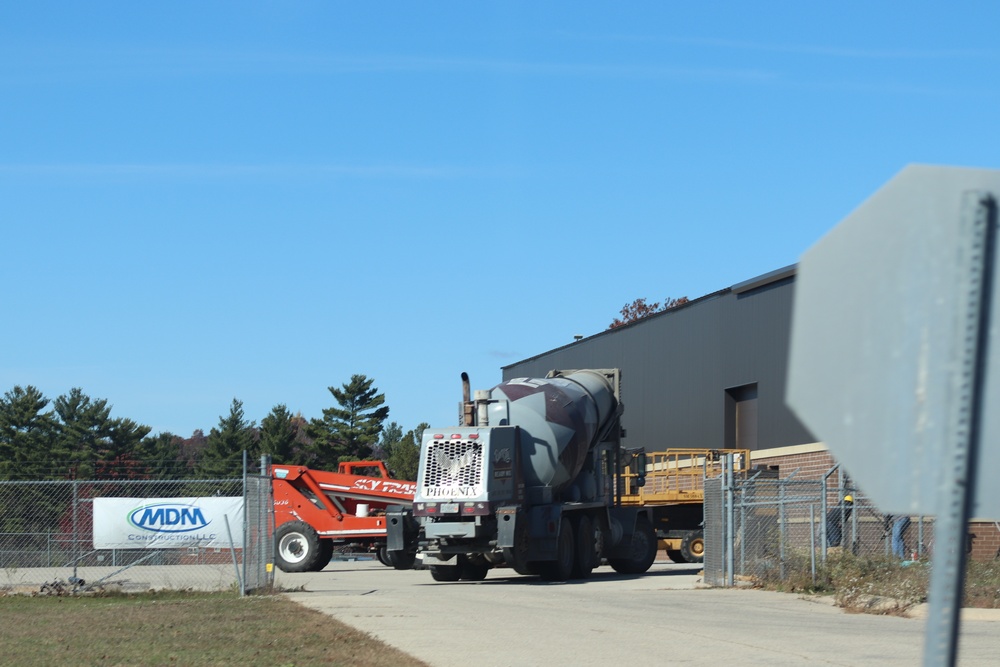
(136, 535)
(769, 529)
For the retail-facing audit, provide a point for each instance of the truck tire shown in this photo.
(586, 548)
(298, 548)
(445, 572)
(382, 554)
(642, 550)
(402, 560)
(516, 556)
(472, 570)
(675, 555)
(693, 547)
(561, 568)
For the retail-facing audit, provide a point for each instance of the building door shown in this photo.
(741, 417)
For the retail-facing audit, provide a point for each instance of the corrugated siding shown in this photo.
(676, 367)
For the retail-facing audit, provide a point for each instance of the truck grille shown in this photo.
(453, 463)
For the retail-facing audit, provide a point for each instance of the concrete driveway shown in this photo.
(662, 617)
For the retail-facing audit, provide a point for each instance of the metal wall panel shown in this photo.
(677, 365)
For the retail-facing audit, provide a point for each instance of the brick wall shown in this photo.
(811, 461)
(985, 540)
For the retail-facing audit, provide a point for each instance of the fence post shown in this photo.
(76, 539)
(812, 541)
(744, 486)
(243, 529)
(730, 511)
(781, 531)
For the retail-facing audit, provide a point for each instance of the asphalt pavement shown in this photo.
(662, 617)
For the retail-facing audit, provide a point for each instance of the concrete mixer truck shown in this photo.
(528, 479)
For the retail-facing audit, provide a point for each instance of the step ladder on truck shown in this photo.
(317, 511)
(671, 484)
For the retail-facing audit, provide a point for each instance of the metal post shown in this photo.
(232, 550)
(812, 542)
(781, 531)
(920, 536)
(730, 574)
(743, 526)
(854, 527)
(243, 528)
(76, 539)
(263, 503)
(951, 525)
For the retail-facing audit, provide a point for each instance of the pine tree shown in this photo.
(403, 458)
(84, 428)
(162, 456)
(278, 435)
(392, 433)
(223, 453)
(350, 431)
(27, 434)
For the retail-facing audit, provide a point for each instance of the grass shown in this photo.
(190, 629)
(855, 581)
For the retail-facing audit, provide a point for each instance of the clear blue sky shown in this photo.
(202, 201)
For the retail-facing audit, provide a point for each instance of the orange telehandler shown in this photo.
(316, 511)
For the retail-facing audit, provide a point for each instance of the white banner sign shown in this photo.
(167, 523)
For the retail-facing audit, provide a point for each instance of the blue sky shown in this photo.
(202, 201)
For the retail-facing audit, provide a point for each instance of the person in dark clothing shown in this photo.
(834, 521)
(899, 527)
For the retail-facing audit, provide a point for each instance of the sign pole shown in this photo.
(968, 380)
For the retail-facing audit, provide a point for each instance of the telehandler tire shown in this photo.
(298, 548)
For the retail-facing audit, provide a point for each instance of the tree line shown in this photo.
(75, 437)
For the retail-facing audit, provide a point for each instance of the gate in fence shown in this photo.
(770, 529)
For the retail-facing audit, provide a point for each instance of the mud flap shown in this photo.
(401, 528)
(623, 521)
(507, 518)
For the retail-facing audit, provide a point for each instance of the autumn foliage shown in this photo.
(638, 309)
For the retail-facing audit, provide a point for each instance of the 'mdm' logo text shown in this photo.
(168, 518)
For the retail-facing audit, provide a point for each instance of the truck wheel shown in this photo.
(586, 548)
(297, 547)
(561, 568)
(693, 547)
(470, 570)
(642, 550)
(445, 572)
(402, 560)
(383, 556)
(675, 555)
(516, 556)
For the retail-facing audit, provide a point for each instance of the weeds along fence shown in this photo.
(136, 535)
(775, 529)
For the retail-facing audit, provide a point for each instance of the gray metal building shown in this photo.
(710, 373)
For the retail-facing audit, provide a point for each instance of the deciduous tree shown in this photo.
(639, 309)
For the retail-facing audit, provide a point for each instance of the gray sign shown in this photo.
(885, 311)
